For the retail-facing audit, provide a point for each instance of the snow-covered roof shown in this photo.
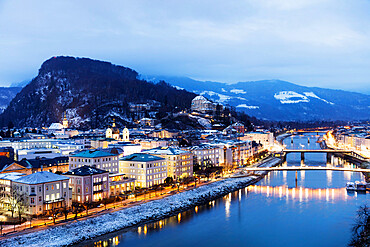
(141, 157)
(93, 154)
(40, 177)
(165, 151)
(11, 175)
(85, 170)
(200, 97)
(56, 126)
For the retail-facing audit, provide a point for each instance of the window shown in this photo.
(47, 198)
(47, 187)
(32, 189)
(64, 185)
(57, 186)
(40, 199)
(39, 188)
(52, 187)
(32, 200)
(87, 189)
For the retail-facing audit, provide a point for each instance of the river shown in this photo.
(314, 210)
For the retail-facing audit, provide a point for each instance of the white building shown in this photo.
(114, 133)
(35, 153)
(127, 148)
(95, 158)
(148, 170)
(46, 191)
(179, 162)
(265, 138)
(207, 154)
(29, 143)
(201, 104)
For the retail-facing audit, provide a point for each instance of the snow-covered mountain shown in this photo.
(279, 100)
(90, 92)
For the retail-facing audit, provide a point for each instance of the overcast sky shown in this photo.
(322, 43)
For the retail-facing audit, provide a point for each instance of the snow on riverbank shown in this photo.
(86, 229)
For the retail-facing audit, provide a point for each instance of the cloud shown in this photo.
(314, 42)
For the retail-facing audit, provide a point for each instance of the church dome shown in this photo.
(115, 130)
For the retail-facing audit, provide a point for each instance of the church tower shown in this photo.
(113, 132)
(65, 121)
(125, 135)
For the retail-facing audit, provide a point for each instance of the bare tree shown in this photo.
(16, 200)
(54, 213)
(11, 199)
(361, 229)
(76, 208)
(22, 204)
(65, 210)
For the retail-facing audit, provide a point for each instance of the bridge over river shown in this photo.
(329, 152)
(305, 168)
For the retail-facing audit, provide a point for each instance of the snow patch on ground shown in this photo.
(238, 91)
(313, 95)
(179, 88)
(202, 121)
(290, 97)
(93, 227)
(248, 106)
(222, 97)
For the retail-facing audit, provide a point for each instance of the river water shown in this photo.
(313, 210)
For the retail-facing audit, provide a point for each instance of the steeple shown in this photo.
(65, 121)
(114, 123)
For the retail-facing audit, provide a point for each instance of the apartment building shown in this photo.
(148, 170)
(95, 158)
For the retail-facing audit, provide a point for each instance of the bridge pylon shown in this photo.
(302, 157)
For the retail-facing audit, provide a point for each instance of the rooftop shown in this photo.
(141, 157)
(165, 151)
(41, 177)
(85, 170)
(93, 154)
(11, 175)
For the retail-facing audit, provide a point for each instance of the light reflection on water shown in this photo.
(306, 194)
(278, 199)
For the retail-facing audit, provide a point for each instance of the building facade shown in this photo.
(95, 158)
(46, 191)
(146, 169)
(89, 184)
(179, 162)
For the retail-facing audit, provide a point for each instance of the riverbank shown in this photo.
(280, 138)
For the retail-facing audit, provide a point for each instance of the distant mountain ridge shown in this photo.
(6, 95)
(91, 92)
(279, 100)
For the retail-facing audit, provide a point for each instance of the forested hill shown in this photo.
(89, 91)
